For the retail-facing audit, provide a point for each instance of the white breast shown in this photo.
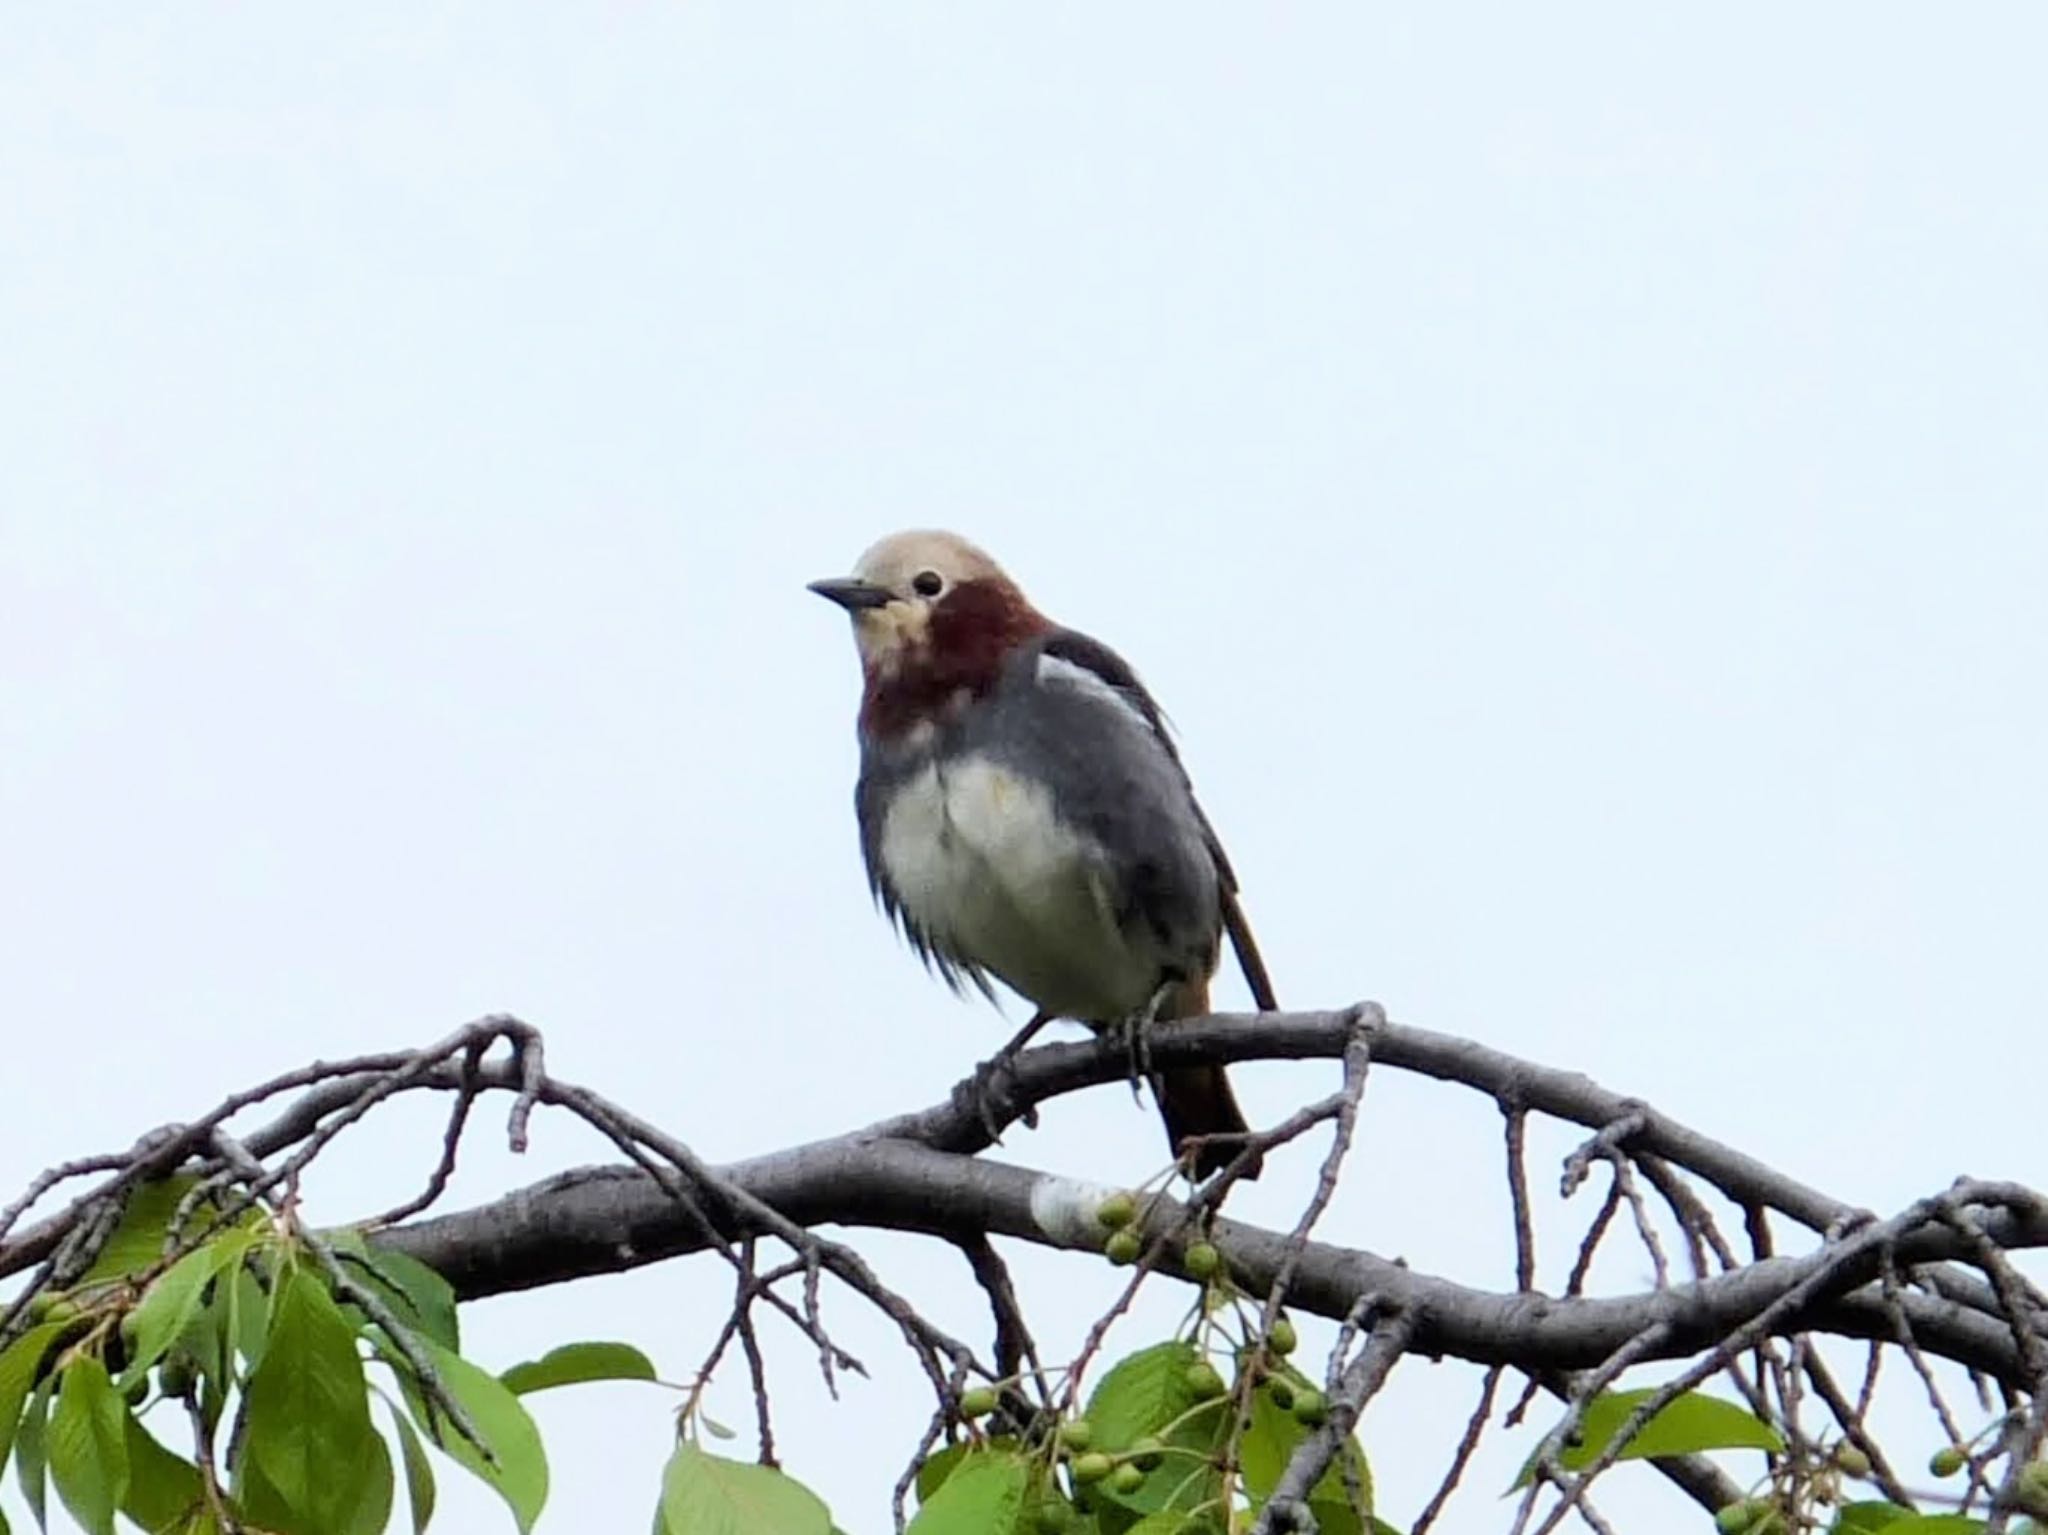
(988, 872)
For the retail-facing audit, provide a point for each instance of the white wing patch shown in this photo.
(1057, 671)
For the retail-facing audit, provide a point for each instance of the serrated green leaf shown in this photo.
(574, 1363)
(163, 1489)
(308, 1459)
(1693, 1423)
(1147, 1394)
(18, 1366)
(985, 1495)
(89, 1444)
(705, 1494)
(521, 1473)
(1141, 1394)
(419, 1473)
(173, 1300)
(31, 1448)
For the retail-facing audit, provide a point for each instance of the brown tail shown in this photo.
(1197, 1100)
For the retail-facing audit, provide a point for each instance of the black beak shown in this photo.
(851, 593)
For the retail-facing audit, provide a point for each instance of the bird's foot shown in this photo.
(1136, 1033)
(989, 1089)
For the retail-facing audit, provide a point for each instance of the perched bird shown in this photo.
(1024, 815)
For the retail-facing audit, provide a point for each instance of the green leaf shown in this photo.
(309, 1458)
(1147, 1393)
(985, 1495)
(373, 1510)
(367, 1513)
(173, 1299)
(1269, 1444)
(1867, 1518)
(705, 1494)
(422, 1298)
(163, 1489)
(138, 1240)
(419, 1473)
(1934, 1524)
(89, 1444)
(1142, 1394)
(31, 1447)
(943, 1462)
(574, 1363)
(1692, 1423)
(521, 1473)
(18, 1366)
(250, 1310)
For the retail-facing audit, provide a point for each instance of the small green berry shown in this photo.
(1146, 1453)
(1283, 1338)
(1116, 1211)
(977, 1402)
(1282, 1392)
(1076, 1434)
(1203, 1382)
(177, 1375)
(1851, 1461)
(1310, 1407)
(1126, 1479)
(1092, 1467)
(1739, 1518)
(1054, 1515)
(1201, 1260)
(138, 1392)
(1123, 1248)
(1948, 1460)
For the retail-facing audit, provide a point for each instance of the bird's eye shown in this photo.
(927, 583)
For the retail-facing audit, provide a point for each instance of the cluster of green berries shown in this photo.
(1751, 1516)
(2030, 1487)
(1123, 1473)
(177, 1373)
(1118, 1216)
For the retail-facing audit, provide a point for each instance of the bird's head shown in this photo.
(934, 618)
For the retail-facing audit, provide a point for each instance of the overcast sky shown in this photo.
(1574, 478)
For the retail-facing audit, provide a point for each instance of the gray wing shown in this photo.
(1092, 656)
(1069, 710)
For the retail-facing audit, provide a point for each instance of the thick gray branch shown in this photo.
(601, 1220)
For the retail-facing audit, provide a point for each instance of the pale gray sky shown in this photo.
(1575, 478)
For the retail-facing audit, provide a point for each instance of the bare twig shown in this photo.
(1287, 1507)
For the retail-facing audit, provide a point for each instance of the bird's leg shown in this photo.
(982, 1085)
(1137, 1033)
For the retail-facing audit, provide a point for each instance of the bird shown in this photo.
(1025, 817)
